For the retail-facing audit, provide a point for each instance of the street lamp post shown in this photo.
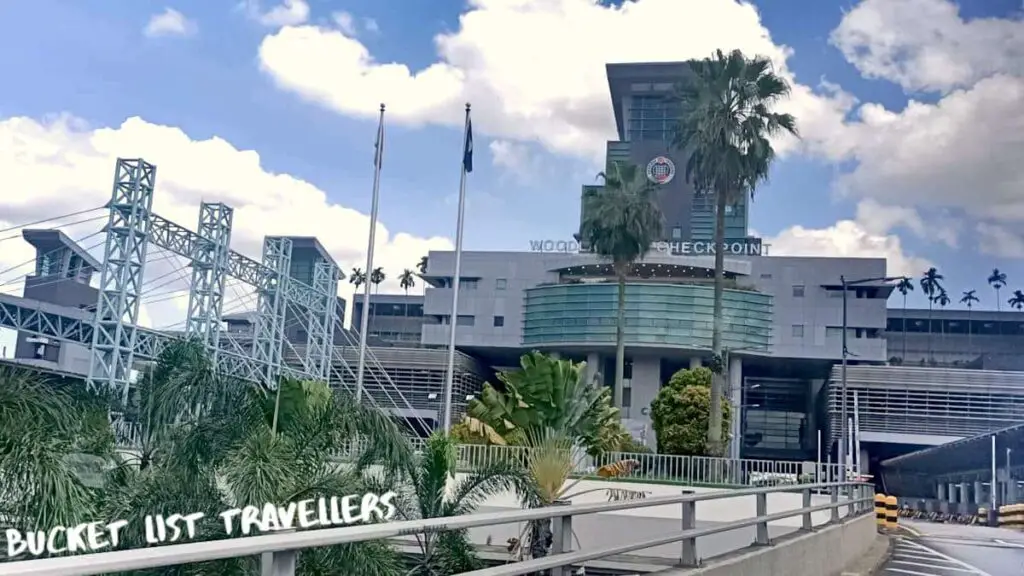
(846, 284)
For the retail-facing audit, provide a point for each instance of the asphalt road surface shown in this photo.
(954, 550)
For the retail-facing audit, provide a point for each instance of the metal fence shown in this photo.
(662, 468)
(280, 550)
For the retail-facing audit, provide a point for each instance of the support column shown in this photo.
(952, 491)
(593, 366)
(209, 270)
(115, 330)
(942, 495)
(979, 492)
(735, 383)
(268, 333)
(1011, 491)
(695, 362)
(320, 321)
(965, 497)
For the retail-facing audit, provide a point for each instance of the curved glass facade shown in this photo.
(657, 314)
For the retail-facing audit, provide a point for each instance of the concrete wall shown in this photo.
(825, 552)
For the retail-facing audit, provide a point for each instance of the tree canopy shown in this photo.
(680, 413)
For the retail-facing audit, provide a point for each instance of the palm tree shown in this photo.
(968, 299)
(1016, 301)
(433, 492)
(725, 127)
(931, 285)
(376, 277)
(422, 265)
(407, 279)
(997, 280)
(204, 443)
(942, 299)
(357, 278)
(905, 286)
(620, 224)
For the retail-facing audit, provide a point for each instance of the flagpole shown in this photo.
(364, 317)
(467, 156)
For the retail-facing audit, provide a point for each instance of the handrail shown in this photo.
(177, 554)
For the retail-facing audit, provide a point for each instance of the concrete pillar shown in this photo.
(1012, 492)
(941, 492)
(695, 362)
(965, 498)
(951, 491)
(736, 399)
(979, 493)
(593, 366)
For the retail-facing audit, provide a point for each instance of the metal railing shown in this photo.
(663, 468)
(281, 549)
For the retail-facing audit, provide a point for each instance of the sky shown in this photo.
(911, 114)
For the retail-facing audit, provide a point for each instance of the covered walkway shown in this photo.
(958, 477)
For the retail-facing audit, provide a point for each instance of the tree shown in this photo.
(206, 443)
(422, 265)
(968, 299)
(905, 286)
(725, 127)
(1017, 300)
(942, 299)
(997, 280)
(377, 276)
(931, 284)
(680, 413)
(620, 224)
(432, 492)
(407, 279)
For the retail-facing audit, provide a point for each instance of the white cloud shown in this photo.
(371, 25)
(514, 158)
(850, 239)
(346, 23)
(927, 45)
(170, 22)
(552, 89)
(1000, 241)
(288, 13)
(60, 162)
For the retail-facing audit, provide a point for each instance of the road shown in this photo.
(954, 550)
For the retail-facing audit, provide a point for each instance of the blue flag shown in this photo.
(467, 154)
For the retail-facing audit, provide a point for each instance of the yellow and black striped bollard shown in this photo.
(880, 510)
(892, 513)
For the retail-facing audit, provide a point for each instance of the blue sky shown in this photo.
(300, 88)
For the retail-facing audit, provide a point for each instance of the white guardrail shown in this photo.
(280, 550)
(666, 468)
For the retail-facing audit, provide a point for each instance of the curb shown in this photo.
(873, 564)
(912, 531)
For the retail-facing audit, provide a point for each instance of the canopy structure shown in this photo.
(967, 460)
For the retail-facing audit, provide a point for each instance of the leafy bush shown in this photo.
(679, 413)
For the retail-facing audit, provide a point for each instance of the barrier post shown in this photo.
(892, 513)
(880, 510)
(808, 523)
(833, 495)
(688, 553)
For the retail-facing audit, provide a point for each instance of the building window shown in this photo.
(465, 320)
(499, 321)
(833, 332)
(766, 276)
(798, 291)
(798, 330)
(468, 284)
(500, 284)
(677, 233)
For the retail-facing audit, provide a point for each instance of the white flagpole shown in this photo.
(467, 158)
(364, 318)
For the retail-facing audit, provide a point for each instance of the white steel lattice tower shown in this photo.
(124, 259)
(209, 270)
(320, 326)
(268, 330)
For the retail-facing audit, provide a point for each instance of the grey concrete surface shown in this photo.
(595, 531)
(951, 549)
(825, 552)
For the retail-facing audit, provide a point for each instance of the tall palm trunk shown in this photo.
(970, 346)
(621, 269)
(904, 358)
(931, 357)
(717, 380)
(998, 301)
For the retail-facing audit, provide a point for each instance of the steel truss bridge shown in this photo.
(117, 342)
